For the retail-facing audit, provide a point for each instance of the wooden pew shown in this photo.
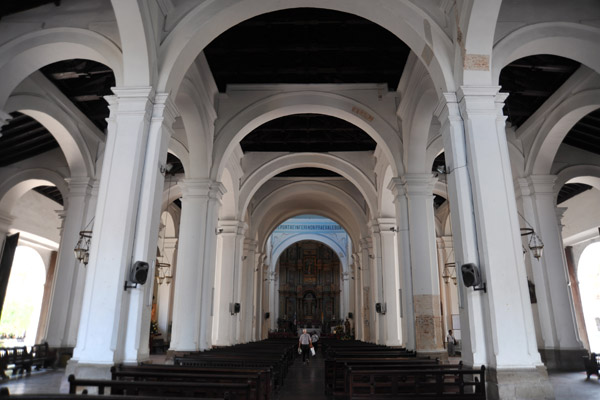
(277, 365)
(335, 369)
(260, 385)
(4, 394)
(417, 384)
(591, 365)
(42, 356)
(15, 358)
(235, 391)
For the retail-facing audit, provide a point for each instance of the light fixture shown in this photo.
(165, 169)
(393, 229)
(82, 248)
(535, 244)
(449, 272)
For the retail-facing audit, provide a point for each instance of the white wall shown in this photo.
(36, 214)
(583, 213)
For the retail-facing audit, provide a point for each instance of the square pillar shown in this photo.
(561, 348)
(103, 325)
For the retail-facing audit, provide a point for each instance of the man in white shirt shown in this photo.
(304, 343)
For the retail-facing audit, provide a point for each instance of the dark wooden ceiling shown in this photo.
(8, 7)
(307, 133)
(22, 138)
(305, 45)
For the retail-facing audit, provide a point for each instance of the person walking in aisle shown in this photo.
(315, 339)
(304, 343)
(451, 342)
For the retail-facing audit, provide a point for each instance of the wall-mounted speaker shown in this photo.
(350, 315)
(139, 272)
(267, 315)
(378, 307)
(470, 275)
(234, 308)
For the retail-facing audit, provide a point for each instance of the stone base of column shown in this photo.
(434, 354)
(513, 384)
(563, 360)
(63, 355)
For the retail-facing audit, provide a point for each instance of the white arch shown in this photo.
(309, 236)
(307, 197)
(588, 174)
(300, 160)
(566, 39)
(554, 129)
(137, 42)
(17, 185)
(208, 20)
(228, 211)
(301, 102)
(171, 192)
(478, 32)
(61, 126)
(180, 151)
(24, 55)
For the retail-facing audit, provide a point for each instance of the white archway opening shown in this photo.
(588, 275)
(23, 300)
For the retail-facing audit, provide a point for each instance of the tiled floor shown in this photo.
(306, 382)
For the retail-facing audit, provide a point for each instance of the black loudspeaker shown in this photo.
(350, 315)
(378, 307)
(234, 308)
(139, 272)
(470, 275)
(267, 315)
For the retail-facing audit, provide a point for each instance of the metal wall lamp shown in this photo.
(535, 244)
(449, 272)
(82, 248)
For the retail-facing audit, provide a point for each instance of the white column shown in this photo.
(248, 278)
(164, 292)
(258, 295)
(498, 246)
(147, 225)
(403, 242)
(358, 298)
(67, 293)
(227, 281)
(104, 311)
(464, 236)
(423, 254)
(391, 282)
(561, 347)
(370, 294)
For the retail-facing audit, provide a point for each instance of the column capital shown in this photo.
(131, 100)
(480, 100)
(164, 107)
(387, 225)
(419, 184)
(193, 188)
(447, 107)
(232, 227)
(542, 184)
(80, 186)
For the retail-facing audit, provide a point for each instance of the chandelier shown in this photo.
(82, 248)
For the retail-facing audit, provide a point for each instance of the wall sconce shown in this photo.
(82, 249)
(162, 270)
(394, 229)
(449, 272)
(535, 243)
(218, 231)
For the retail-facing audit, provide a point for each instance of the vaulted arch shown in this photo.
(18, 184)
(279, 105)
(208, 20)
(286, 162)
(281, 247)
(24, 55)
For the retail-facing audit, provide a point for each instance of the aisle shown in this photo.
(304, 381)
